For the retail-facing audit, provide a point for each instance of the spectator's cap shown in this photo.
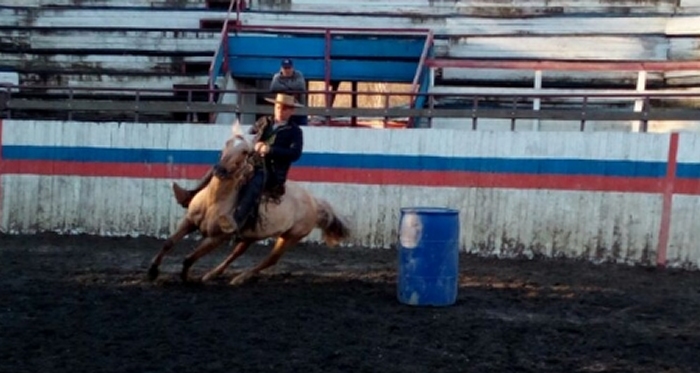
(287, 63)
(285, 100)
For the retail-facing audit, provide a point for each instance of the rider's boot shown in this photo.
(244, 213)
(184, 196)
(236, 221)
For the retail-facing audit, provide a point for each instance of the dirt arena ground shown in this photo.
(82, 304)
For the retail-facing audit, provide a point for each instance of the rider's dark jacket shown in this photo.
(286, 144)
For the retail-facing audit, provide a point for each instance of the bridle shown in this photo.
(221, 172)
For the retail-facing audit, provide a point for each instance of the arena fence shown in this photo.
(599, 196)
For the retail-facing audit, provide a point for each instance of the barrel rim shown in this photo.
(429, 210)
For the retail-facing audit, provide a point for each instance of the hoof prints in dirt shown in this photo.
(85, 305)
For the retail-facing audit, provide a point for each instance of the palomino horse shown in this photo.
(290, 219)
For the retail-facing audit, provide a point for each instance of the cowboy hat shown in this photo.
(286, 100)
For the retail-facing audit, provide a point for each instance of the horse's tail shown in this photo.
(334, 227)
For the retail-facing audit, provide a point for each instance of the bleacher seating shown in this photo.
(154, 44)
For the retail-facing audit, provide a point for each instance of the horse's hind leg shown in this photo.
(281, 245)
(238, 250)
(184, 228)
(205, 247)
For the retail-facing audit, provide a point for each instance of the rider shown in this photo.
(280, 144)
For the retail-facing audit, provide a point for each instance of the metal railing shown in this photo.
(237, 26)
(432, 63)
(564, 65)
(327, 32)
(469, 105)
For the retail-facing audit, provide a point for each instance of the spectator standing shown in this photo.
(291, 81)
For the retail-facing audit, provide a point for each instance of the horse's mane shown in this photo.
(246, 171)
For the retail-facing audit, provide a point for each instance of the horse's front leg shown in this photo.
(184, 228)
(205, 247)
(281, 245)
(238, 250)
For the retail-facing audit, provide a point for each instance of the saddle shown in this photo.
(273, 195)
(268, 195)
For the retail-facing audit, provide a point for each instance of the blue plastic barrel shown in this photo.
(428, 256)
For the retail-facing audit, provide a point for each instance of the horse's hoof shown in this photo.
(153, 273)
(184, 277)
(208, 277)
(241, 279)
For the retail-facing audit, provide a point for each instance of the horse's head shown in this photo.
(233, 163)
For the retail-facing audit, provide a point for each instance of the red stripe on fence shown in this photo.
(351, 176)
(686, 186)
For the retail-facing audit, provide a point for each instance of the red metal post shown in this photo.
(2, 169)
(667, 209)
(327, 79)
